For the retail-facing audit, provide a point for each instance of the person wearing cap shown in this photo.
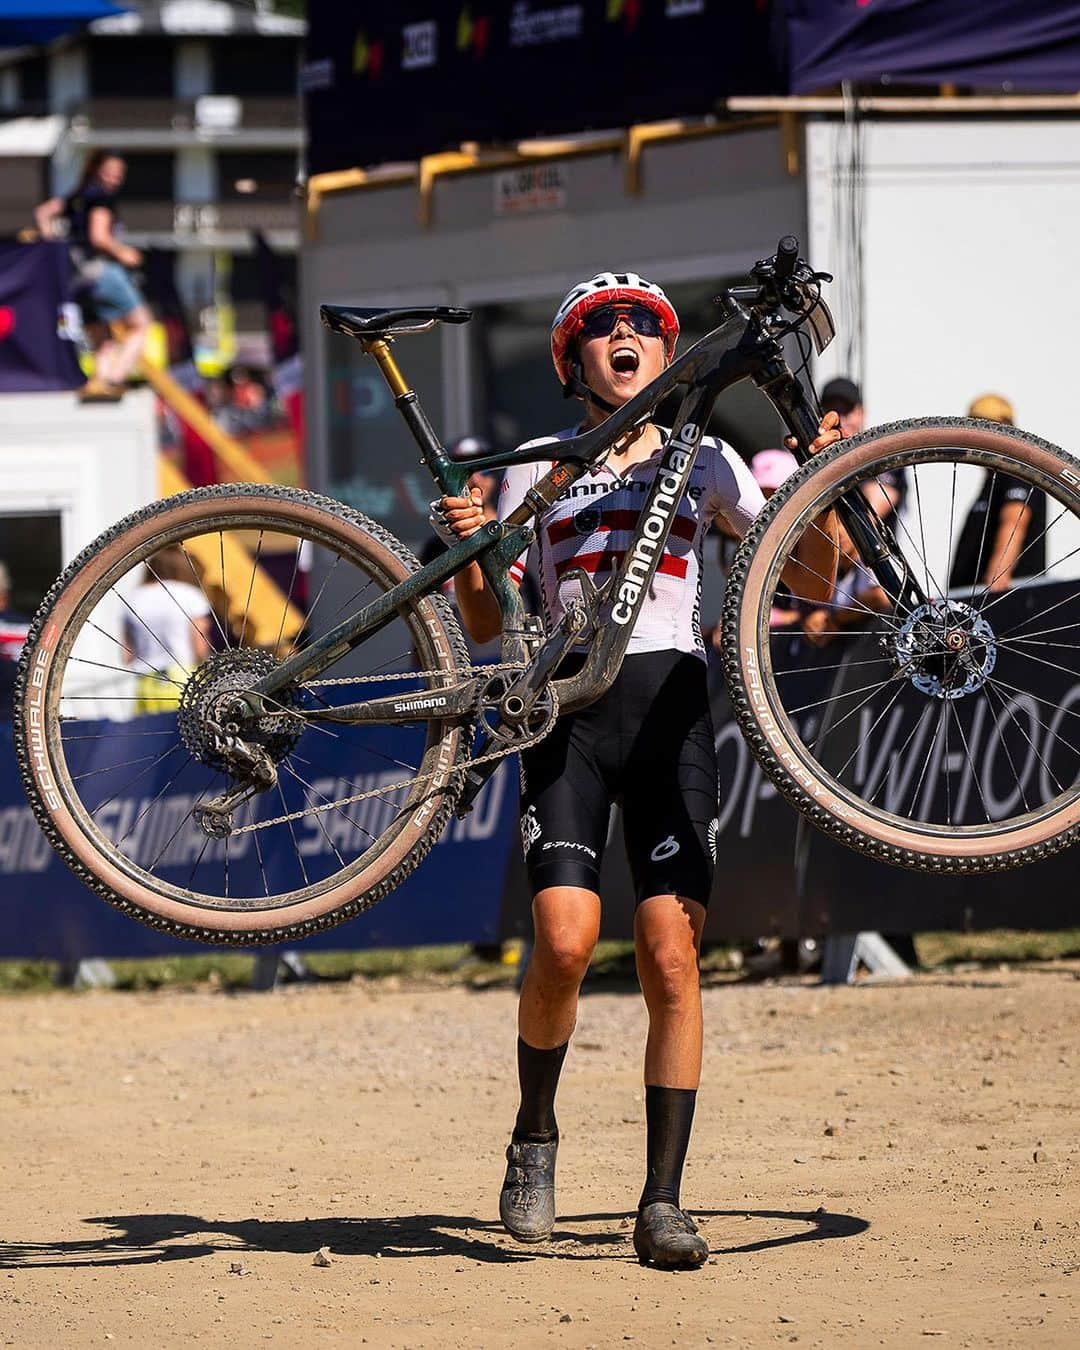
(991, 551)
(647, 741)
(887, 492)
(771, 468)
(844, 397)
(482, 488)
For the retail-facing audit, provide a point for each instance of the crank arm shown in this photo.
(518, 700)
(475, 778)
(424, 705)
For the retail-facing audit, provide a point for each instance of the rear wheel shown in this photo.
(947, 739)
(140, 644)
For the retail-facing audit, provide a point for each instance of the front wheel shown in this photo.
(946, 738)
(151, 632)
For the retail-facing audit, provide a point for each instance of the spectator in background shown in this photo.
(844, 397)
(771, 468)
(247, 405)
(167, 632)
(248, 390)
(90, 222)
(991, 551)
(13, 630)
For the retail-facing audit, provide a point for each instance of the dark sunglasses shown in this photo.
(601, 322)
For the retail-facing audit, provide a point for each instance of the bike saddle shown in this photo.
(381, 323)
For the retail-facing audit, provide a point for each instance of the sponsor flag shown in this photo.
(39, 324)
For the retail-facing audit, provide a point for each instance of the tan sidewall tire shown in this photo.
(44, 772)
(763, 721)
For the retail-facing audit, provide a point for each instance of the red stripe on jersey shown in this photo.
(682, 527)
(603, 559)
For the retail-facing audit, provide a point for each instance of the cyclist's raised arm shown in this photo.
(480, 611)
(811, 573)
(734, 495)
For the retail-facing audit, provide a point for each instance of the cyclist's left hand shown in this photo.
(828, 434)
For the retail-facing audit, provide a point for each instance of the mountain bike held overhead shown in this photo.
(937, 734)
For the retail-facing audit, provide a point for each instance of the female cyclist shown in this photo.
(647, 743)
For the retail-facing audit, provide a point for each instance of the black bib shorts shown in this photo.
(647, 744)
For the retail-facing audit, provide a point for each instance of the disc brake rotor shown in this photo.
(948, 647)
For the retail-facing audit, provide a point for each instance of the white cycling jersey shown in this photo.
(591, 525)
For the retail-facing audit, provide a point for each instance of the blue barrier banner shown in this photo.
(454, 896)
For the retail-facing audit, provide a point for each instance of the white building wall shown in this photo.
(91, 464)
(969, 282)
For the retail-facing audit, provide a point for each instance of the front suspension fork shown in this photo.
(872, 537)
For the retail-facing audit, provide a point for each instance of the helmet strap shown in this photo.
(575, 387)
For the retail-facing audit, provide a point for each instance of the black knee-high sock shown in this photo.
(669, 1114)
(538, 1075)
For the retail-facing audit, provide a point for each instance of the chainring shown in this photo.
(536, 724)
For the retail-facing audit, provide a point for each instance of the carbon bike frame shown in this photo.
(742, 347)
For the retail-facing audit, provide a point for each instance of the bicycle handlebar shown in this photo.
(787, 257)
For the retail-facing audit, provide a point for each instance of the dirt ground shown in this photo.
(884, 1165)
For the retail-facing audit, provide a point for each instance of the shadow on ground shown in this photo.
(147, 1238)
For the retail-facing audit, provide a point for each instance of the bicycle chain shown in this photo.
(509, 749)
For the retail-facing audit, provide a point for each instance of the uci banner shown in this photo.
(505, 70)
(38, 323)
(1033, 46)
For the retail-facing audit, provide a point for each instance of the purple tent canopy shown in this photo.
(1029, 46)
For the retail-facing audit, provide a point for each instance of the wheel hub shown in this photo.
(207, 707)
(946, 649)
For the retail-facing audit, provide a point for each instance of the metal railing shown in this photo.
(212, 112)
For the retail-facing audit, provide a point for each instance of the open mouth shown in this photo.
(624, 361)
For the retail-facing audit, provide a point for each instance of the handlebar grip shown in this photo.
(787, 255)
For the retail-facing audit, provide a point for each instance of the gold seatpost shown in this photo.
(380, 350)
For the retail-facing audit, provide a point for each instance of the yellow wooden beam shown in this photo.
(472, 157)
(241, 466)
(320, 185)
(267, 604)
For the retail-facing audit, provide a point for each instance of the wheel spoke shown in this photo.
(251, 586)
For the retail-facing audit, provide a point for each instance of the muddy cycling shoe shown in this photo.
(666, 1236)
(527, 1200)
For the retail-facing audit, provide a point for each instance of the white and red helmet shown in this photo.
(608, 288)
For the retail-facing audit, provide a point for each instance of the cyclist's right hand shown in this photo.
(454, 518)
